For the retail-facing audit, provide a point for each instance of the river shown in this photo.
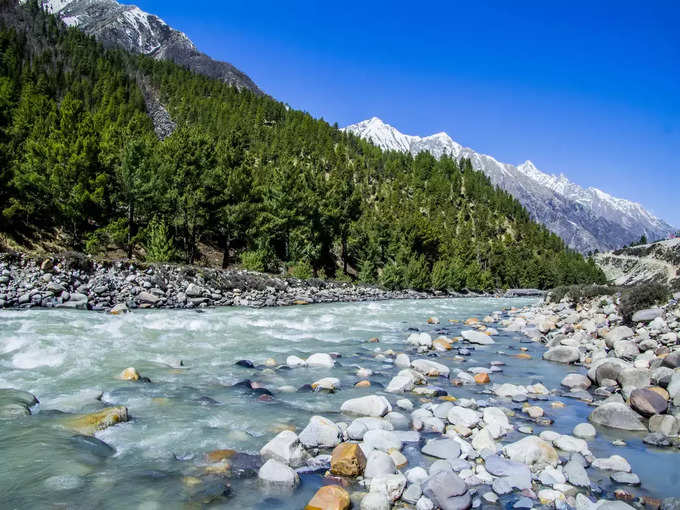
(157, 459)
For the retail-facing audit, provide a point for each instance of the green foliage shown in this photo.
(642, 296)
(302, 270)
(580, 293)
(159, 246)
(254, 260)
(244, 173)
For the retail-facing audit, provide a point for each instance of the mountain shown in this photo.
(139, 32)
(586, 218)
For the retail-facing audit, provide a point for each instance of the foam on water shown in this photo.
(65, 357)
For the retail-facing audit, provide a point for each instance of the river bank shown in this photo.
(82, 283)
(448, 402)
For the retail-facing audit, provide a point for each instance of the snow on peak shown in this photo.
(583, 217)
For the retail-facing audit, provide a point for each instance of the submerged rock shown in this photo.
(15, 403)
(447, 491)
(88, 424)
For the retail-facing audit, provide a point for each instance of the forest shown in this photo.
(272, 188)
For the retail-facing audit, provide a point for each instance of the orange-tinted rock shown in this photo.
(219, 455)
(329, 497)
(373, 340)
(442, 344)
(522, 355)
(471, 321)
(363, 384)
(348, 459)
(482, 378)
(129, 374)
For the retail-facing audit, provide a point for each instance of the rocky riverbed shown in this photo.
(459, 406)
(77, 282)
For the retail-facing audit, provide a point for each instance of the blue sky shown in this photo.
(590, 89)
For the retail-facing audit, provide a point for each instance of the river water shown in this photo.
(157, 460)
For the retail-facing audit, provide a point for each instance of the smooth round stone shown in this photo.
(625, 478)
(526, 429)
(584, 431)
(442, 449)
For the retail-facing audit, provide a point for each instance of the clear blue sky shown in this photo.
(590, 89)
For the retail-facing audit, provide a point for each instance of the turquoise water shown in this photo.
(157, 460)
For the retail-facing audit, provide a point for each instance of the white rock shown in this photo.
(462, 416)
(370, 405)
(476, 337)
(425, 366)
(276, 473)
(391, 485)
(285, 447)
(294, 362)
(320, 360)
(320, 432)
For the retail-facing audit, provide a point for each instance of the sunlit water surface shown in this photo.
(66, 357)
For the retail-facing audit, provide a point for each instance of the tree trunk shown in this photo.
(131, 219)
(225, 257)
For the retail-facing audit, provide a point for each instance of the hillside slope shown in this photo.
(655, 262)
(134, 30)
(266, 185)
(587, 219)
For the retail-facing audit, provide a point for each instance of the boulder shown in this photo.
(401, 384)
(275, 473)
(330, 497)
(294, 362)
(618, 416)
(496, 421)
(327, 384)
(571, 444)
(647, 402)
(320, 360)
(88, 424)
(320, 432)
(285, 447)
(402, 361)
(428, 367)
(383, 440)
(665, 424)
(618, 333)
(585, 431)
(532, 450)
(672, 360)
(476, 337)
(613, 463)
(576, 474)
(348, 459)
(576, 381)
(458, 415)
(129, 374)
(442, 449)
(562, 354)
(379, 464)
(392, 486)
(420, 340)
(447, 491)
(371, 405)
(513, 474)
(626, 349)
(647, 315)
(375, 501)
(15, 403)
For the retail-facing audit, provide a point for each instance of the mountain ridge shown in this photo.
(587, 219)
(137, 31)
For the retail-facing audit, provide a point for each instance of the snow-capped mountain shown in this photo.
(586, 218)
(139, 32)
